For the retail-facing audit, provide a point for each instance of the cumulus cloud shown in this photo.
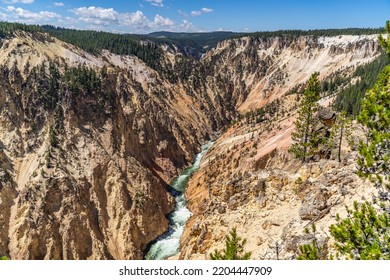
(141, 23)
(29, 16)
(201, 12)
(96, 15)
(137, 21)
(98, 18)
(158, 3)
(162, 21)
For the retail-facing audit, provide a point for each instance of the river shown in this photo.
(168, 244)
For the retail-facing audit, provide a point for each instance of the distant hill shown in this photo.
(206, 40)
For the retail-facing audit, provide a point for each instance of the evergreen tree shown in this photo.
(349, 98)
(385, 41)
(313, 250)
(364, 234)
(374, 160)
(234, 248)
(305, 135)
(341, 129)
(52, 137)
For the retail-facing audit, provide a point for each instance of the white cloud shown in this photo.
(136, 21)
(162, 21)
(28, 16)
(139, 21)
(3, 16)
(99, 18)
(97, 15)
(59, 4)
(158, 3)
(201, 12)
(19, 1)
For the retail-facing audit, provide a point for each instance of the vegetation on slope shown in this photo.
(8, 28)
(365, 233)
(349, 98)
(234, 248)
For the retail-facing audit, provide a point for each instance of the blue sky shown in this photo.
(144, 16)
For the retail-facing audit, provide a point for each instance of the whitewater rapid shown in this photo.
(168, 244)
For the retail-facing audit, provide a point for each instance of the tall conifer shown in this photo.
(305, 134)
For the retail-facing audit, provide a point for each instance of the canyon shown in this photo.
(89, 144)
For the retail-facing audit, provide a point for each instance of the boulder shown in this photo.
(327, 116)
(313, 204)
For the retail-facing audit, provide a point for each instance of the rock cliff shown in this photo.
(89, 144)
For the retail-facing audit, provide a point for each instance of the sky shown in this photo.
(145, 16)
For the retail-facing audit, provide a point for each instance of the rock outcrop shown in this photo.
(251, 182)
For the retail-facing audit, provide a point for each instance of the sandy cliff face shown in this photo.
(255, 71)
(85, 172)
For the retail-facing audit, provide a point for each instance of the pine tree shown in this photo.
(364, 234)
(52, 137)
(305, 135)
(313, 250)
(341, 129)
(234, 248)
(374, 160)
(385, 41)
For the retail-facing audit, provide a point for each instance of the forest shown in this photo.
(349, 98)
